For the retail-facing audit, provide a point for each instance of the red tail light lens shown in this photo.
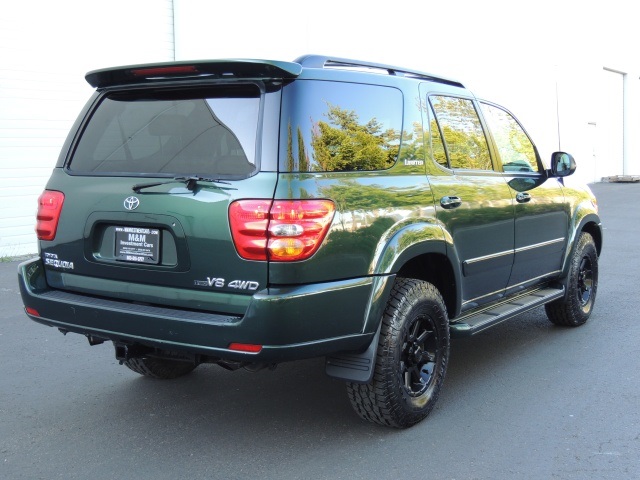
(245, 347)
(249, 221)
(49, 208)
(280, 231)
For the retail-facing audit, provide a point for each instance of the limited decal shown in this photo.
(52, 260)
(215, 282)
(413, 162)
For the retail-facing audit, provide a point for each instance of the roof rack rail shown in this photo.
(321, 61)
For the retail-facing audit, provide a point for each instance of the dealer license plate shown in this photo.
(138, 245)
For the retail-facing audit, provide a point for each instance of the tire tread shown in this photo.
(380, 401)
(566, 311)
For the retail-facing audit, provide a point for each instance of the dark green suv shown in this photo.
(249, 212)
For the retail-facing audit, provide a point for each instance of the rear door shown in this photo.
(473, 201)
(130, 229)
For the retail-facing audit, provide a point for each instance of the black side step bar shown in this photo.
(466, 326)
(358, 367)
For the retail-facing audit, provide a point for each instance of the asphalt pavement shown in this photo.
(524, 400)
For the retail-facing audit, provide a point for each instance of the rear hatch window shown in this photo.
(203, 131)
(168, 243)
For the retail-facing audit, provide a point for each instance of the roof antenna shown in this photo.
(558, 109)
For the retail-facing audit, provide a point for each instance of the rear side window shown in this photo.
(437, 145)
(336, 126)
(462, 133)
(209, 131)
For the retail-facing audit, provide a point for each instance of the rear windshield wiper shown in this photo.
(191, 182)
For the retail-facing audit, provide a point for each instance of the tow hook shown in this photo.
(95, 340)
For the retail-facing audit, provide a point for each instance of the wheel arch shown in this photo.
(422, 251)
(418, 251)
(436, 269)
(589, 223)
(595, 230)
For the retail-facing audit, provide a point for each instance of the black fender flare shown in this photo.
(406, 243)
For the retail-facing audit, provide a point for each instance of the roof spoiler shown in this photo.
(230, 68)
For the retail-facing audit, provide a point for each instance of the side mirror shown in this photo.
(562, 164)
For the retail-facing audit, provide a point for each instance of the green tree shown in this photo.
(462, 132)
(413, 143)
(290, 160)
(303, 158)
(343, 143)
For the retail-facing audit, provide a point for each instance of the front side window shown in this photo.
(464, 137)
(515, 149)
(336, 127)
(210, 131)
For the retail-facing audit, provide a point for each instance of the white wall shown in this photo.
(46, 47)
(540, 59)
(516, 54)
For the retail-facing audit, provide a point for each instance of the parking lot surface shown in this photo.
(525, 399)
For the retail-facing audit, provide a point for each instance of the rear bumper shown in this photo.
(289, 322)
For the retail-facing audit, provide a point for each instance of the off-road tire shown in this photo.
(411, 360)
(582, 284)
(160, 368)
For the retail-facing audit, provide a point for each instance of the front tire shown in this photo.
(411, 360)
(575, 308)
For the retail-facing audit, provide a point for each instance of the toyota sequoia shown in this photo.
(251, 212)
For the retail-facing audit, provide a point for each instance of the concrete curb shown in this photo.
(622, 179)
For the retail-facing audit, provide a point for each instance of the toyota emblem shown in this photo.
(131, 203)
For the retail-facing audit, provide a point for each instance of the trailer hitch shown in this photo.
(127, 351)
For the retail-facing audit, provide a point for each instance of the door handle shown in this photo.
(450, 202)
(523, 197)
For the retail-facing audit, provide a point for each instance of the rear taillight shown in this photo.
(279, 230)
(49, 208)
(297, 228)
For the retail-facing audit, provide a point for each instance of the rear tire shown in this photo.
(411, 360)
(575, 308)
(160, 368)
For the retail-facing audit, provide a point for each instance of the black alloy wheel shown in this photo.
(582, 285)
(418, 356)
(411, 359)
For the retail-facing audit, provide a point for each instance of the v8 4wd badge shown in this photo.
(214, 282)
